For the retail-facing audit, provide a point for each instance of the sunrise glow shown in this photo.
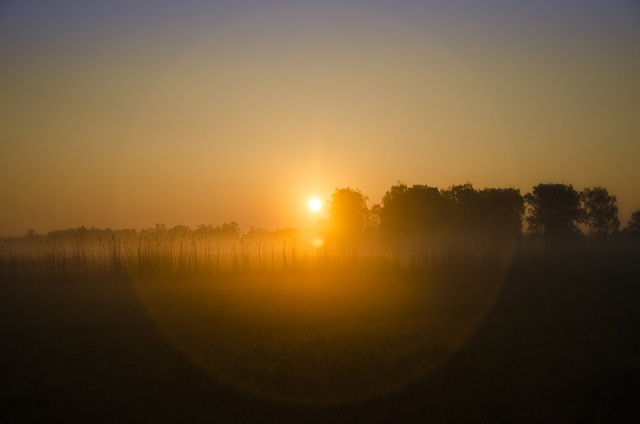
(315, 205)
(274, 211)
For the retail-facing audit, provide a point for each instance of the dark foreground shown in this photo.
(559, 342)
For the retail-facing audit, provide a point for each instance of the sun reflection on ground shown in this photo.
(321, 336)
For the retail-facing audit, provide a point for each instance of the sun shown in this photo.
(315, 204)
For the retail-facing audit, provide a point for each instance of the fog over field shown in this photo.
(318, 211)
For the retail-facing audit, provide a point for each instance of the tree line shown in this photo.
(417, 226)
(422, 215)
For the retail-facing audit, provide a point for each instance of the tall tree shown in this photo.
(348, 216)
(553, 210)
(600, 210)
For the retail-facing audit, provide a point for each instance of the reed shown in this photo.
(183, 252)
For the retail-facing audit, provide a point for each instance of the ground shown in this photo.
(543, 341)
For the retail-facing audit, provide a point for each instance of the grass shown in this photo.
(182, 330)
(359, 333)
(86, 254)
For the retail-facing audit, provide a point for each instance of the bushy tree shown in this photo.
(633, 226)
(503, 209)
(229, 231)
(600, 210)
(466, 211)
(421, 215)
(348, 216)
(553, 210)
(489, 215)
(412, 214)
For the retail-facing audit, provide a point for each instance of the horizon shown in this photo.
(319, 214)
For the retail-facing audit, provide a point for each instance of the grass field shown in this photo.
(540, 339)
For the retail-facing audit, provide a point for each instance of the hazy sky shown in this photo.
(126, 114)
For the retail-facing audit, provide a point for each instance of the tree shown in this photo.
(466, 209)
(553, 210)
(503, 211)
(348, 216)
(373, 222)
(412, 215)
(600, 210)
(633, 226)
(420, 215)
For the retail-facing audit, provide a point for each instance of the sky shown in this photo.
(125, 114)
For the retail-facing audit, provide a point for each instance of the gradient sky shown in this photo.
(125, 114)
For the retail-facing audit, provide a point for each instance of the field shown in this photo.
(537, 338)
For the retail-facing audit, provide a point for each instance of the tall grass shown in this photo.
(181, 252)
(171, 254)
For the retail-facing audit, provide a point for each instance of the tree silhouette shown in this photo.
(553, 210)
(503, 210)
(348, 216)
(633, 226)
(229, 231)
(413, 215)
(600, 210)
(420, 215)
(466, 210)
